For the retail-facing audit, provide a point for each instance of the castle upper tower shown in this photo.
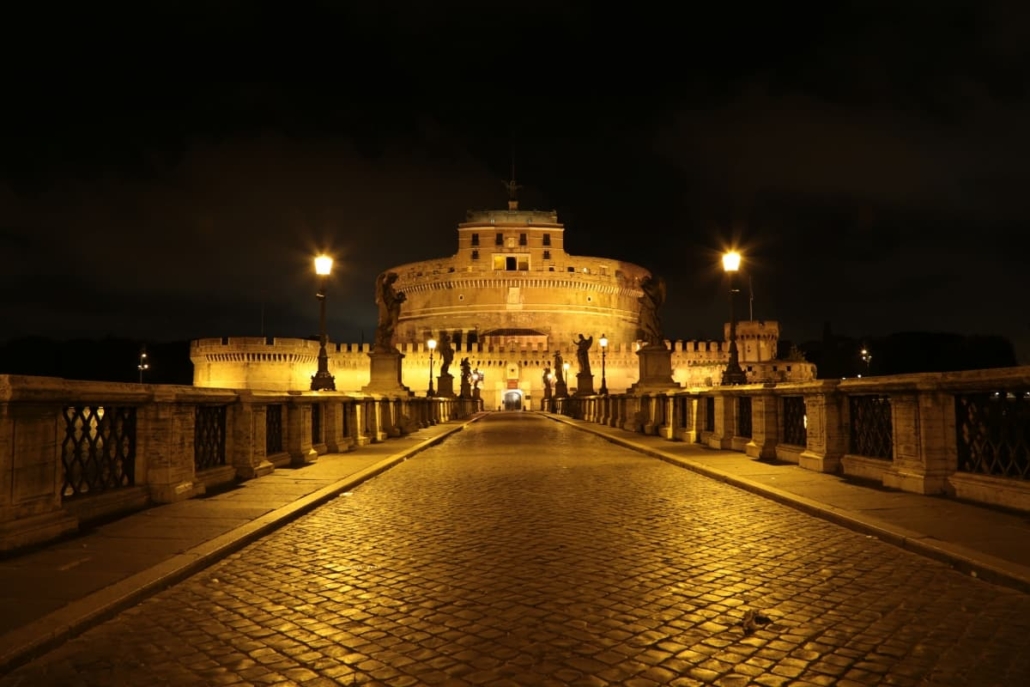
(511, 273)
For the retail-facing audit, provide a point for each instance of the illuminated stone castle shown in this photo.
(508, 299)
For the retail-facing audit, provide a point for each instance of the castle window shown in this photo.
(547, 239)
(475, 255)
(572, 269)
(512, 263)
(475, 239)
(522, 239)
(499, 240)
(547, 255)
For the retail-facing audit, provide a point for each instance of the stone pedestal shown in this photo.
(655, 369)
(385, 374)
(445, 386)
(561, 390)
(584, 384)
(466, 389)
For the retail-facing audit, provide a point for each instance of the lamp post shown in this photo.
(733, 374)
(604, 354)
(867, 358)
(322, 380)
(144, 363)
(432, 347)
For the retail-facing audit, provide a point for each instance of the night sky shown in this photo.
(170, 172)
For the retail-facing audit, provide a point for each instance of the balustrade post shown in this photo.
(30, 473)
(722, 434)
(362, 423)
(686, 424)
(923, 426)
(631, 421)
(667, 430)
(298, 436)
(648, 417)
(380, 429)
(826, 436)
(332, 426)
(247, 437)
(765, 427)
(165, 435)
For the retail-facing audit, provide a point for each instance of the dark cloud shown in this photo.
(169, 170)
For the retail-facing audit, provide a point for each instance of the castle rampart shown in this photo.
(287, 364)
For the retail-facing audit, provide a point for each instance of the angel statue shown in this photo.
(583, 354)
(650, 327)
(389, 301)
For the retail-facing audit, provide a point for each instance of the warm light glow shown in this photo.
(731, 261)
(432, 344)
(565, 366)
(603, 341)
(323, 265)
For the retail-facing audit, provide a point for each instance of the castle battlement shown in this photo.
(252, 348)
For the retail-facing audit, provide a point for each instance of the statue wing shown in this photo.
(379, 287)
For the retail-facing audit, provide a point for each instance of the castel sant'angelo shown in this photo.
(511, 303)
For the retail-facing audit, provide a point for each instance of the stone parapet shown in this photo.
(957, 434)
(74, 451)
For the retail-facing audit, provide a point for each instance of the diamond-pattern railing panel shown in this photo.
(316, 423)
(274, 430)
(872, 432)
(744, 417)
(993, 433)
(795, 421)
(209, 437)
(98, 453)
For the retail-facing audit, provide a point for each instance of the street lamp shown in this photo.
(604, 354)
(432, 347)
(867, 358)
(322, 380)
(144, 363)
(733, 373)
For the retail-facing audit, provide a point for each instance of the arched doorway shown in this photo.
(512, 400)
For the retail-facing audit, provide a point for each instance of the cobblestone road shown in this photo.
(523, 552)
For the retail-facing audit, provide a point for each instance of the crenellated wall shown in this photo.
(287, 365)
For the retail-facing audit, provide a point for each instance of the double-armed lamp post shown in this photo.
(604, 354)
(432, 347)
(144, 363)
(733, 374)
(322, 380)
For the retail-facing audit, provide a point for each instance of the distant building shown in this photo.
(508, 299)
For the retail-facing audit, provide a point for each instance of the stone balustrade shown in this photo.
(72, 451)
(959, 434)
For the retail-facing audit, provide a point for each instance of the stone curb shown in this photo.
(36, 638)
(969, 561)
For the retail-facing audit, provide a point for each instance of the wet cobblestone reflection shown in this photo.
(523, 552)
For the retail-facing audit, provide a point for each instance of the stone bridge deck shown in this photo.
(529, 550)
